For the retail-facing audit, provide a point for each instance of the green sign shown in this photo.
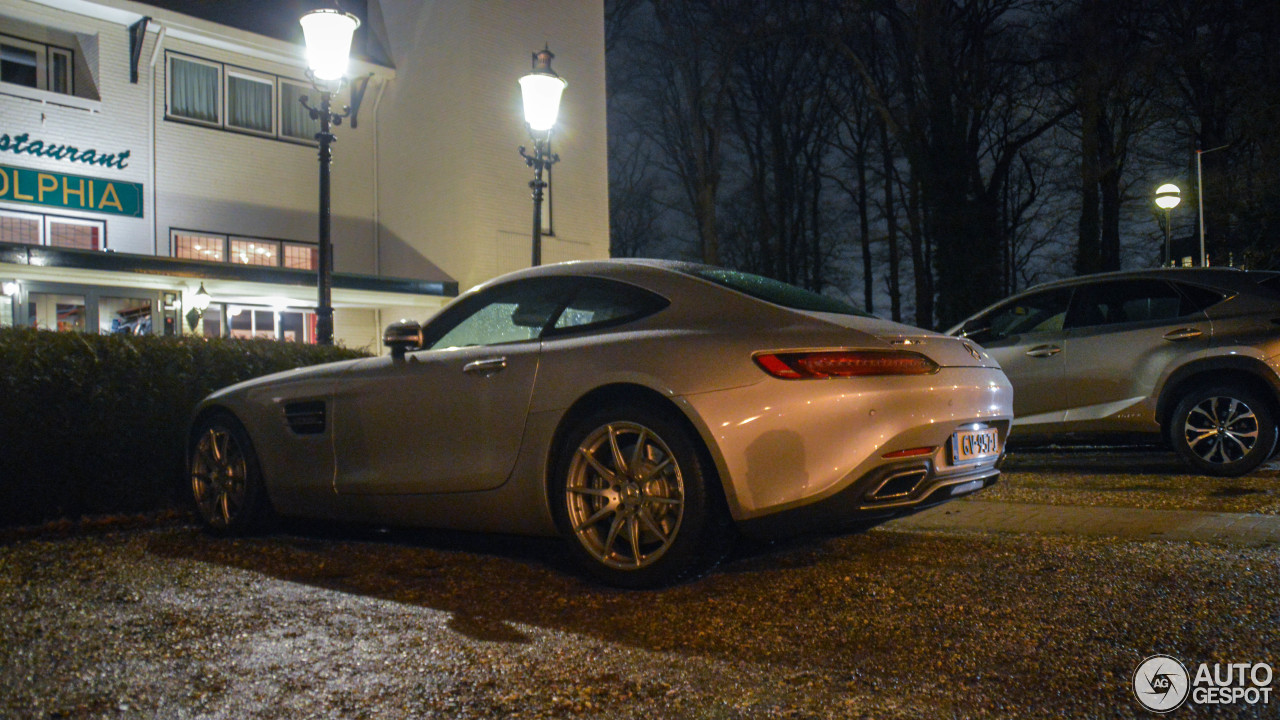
(73, 192)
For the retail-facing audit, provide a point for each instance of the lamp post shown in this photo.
(540, 90)
(1167, 198)
(1200, 197)
(328, 35)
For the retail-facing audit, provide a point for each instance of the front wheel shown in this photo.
(632, 496)
(1223, 430)
(226, 481)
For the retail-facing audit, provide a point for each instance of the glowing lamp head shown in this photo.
(541, 90)
(328, 34)
(1168, 196)
(201, 299)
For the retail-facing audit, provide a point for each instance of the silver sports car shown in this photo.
(644, 410)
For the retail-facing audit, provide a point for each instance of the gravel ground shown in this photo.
(168, 622)
(1137, 477)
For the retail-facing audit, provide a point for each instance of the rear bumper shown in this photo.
(884, 494)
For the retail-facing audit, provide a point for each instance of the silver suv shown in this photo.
(1192, 355)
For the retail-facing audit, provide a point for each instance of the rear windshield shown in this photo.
(775, 291)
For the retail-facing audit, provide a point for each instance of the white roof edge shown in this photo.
(203, 32)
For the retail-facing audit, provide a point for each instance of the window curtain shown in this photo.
(295, 120)
(193, 91)
(248, 104)
(18, 66)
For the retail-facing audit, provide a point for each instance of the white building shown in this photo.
(146, 152)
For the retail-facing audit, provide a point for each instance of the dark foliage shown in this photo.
(93, 424)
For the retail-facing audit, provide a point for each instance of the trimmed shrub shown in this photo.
(93, 424)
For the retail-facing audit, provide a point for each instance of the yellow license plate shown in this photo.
(971, 446)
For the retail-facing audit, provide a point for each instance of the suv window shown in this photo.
(1126, 301)
(1196, 298)
(1040, 312)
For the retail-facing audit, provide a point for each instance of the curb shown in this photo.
(1231, 529)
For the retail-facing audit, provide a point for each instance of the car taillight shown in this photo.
(844, 363)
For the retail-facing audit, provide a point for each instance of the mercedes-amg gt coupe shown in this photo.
(647, 411)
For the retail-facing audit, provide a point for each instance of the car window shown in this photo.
(508, 313)
(1041, 312)
(1126, 301)
(1196, 298)
(602, 303)
(775, 291)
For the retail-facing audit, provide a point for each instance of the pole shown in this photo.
(1200, 197)
(539, 161)
(1200, 202)
(324, 308)
(537, 185)
(1167, 258)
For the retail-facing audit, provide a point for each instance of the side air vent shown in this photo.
(306, 418)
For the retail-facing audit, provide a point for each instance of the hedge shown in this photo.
(94, 424)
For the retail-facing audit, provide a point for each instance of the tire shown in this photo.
(1223, 430)
(635, 501)
(226, 480)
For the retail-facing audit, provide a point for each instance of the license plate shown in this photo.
(970, 446)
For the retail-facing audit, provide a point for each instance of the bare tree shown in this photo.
(954, 65)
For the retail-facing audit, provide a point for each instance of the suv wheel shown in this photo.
(1223, 430)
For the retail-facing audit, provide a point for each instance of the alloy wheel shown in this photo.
(1221, 429)
(219, 477)
(625, 495)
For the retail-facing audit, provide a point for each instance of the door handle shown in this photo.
(1182, 334)
(488, 366)
(1043, 351)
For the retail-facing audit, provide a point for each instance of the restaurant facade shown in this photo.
(159, 174)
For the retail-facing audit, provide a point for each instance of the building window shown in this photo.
(239, 99)
(247, 251)
(35, 65)
(54, 311)
(301, 256)
(242, 250)
(124, 316)
(249, 322)
(295, 120)
(194, 90)
(60, 70)
(75, 234)
(200, 247)
(53, 230)
(20, 228)
(250, 102)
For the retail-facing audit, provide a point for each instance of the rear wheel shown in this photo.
(1223, 430)
(226, 481)
(632, 496)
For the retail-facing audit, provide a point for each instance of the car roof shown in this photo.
(1225, 278)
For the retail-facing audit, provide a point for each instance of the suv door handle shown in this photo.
(1182, 334)
(1043, 351)
(487, 366)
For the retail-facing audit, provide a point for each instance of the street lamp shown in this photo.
(328, 35)
(541, 90)
(1167, 198)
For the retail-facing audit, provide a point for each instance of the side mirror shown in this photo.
(402, 336)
